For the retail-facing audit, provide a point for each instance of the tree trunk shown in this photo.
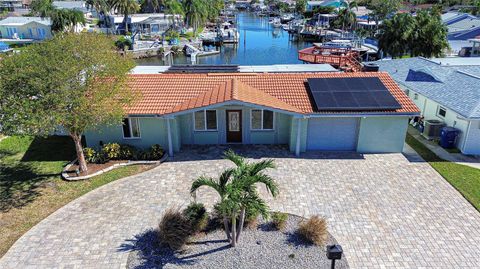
(82, 164)
(233, 242)
(242, 221)
(227, 229)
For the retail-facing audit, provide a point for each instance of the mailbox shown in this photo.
(334, 252)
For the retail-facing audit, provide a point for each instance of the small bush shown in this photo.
(174, 229)
(156, 152)
(100, 158)
(127, 152)
(112, 151)
(251, 218)
(89, 154)
(279, 220)
(197, 216)
(314, 230)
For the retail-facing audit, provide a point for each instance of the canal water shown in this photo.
(260, 44)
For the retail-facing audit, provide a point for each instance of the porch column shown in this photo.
(169, 134)
(297, 145)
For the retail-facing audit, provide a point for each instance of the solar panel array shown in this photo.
(203, 69)
(355, 94)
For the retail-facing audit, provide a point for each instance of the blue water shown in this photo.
(260, 44)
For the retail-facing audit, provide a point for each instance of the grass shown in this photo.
(463, 178)
(30, 184)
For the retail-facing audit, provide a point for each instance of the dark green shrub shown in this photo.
(174, 229)
(100, 157)
(197, 216)
(279, 220)
(127, 152)
(112, 151)
(251, 217)
(89, 154)
(123, 43)
(156, 152)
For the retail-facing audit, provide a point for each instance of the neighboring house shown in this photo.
(446, 89)
(35, 28)
(74, 5)
(265, 108)
(461, 27)
(146, 23)
(311, 5)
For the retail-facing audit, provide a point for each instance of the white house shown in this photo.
(445, 89)
(34, 28)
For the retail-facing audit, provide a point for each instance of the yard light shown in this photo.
(334, 252)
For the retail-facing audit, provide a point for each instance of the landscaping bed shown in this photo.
(260, 247)
(92, 168)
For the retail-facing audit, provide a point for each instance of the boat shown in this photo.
(276, 23)
(286, 18)
(286, 27)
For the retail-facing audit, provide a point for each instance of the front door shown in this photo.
(234, 126)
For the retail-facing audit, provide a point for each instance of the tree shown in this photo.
(74, 81)
(62, 19)
(126, 7)
(383, 8)
(396, 34)
(238, 193)
(300, 6)
(196, 13)
(430, 35)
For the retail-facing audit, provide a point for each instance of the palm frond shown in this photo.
(256, 168)
(235, 158)
(269, 183)
(205, 181)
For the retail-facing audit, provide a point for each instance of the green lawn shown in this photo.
(464, 178)
(30, 183)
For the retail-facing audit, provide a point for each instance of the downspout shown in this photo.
(297, 146)
(466, 136)
(169, 134)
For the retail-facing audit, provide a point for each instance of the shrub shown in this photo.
(156, 152)
(100, 157)
(279, 220)
(314, 230)
(174, 229)
(89, 155)
(197, 216)
(127, 152)
(112, 151)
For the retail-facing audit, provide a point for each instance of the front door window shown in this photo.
(234, 126)
(234, 121)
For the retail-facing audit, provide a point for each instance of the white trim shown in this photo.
(261, 120)
(205, 121)
(130, 128)
(439, 107)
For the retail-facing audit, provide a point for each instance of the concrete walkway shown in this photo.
(442, 153)
(386, 211)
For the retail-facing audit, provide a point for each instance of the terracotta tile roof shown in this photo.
(170, 93)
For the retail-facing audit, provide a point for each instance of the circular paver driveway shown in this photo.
(383, 209)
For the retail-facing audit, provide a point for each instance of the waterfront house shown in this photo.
(445, 89)
(331, 111)
(34, 28)
(461, 28)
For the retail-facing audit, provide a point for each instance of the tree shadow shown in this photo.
(297, 240)
(22, 177)
(147, 252)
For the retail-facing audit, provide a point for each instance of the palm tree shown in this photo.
(42, 8)
(196, 13)
(126, 7)
(396, 34)
(238, 192)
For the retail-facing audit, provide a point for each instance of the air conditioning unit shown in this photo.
(432, 129)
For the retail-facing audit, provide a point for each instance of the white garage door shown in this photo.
(334, 134)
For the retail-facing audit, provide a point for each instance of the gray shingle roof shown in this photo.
(458, 89)
(24, 20)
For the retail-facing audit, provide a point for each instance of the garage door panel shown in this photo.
(332, 134)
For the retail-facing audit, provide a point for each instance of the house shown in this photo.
(311, 5)
(35, 28)
(461, 27)
(445, 89)
(156, 23)
(307, 111)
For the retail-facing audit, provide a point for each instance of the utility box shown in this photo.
(432, 129)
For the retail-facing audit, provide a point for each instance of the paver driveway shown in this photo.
(383, 209)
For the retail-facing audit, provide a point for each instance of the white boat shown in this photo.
(286, 27)
(276, 23)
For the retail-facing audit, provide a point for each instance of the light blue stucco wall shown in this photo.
(152, 131)
(382, 134)
(280, 134)
(303, 134)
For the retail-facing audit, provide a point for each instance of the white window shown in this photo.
(205, 120)
(131, 128)
(261, 119)
(441, 112)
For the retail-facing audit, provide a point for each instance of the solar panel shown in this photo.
(357, 94)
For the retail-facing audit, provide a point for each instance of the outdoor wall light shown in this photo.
(334, 252)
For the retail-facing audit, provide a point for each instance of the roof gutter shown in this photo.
(363, 115)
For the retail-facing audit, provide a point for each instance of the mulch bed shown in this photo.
(92, 168)
(260, 247)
